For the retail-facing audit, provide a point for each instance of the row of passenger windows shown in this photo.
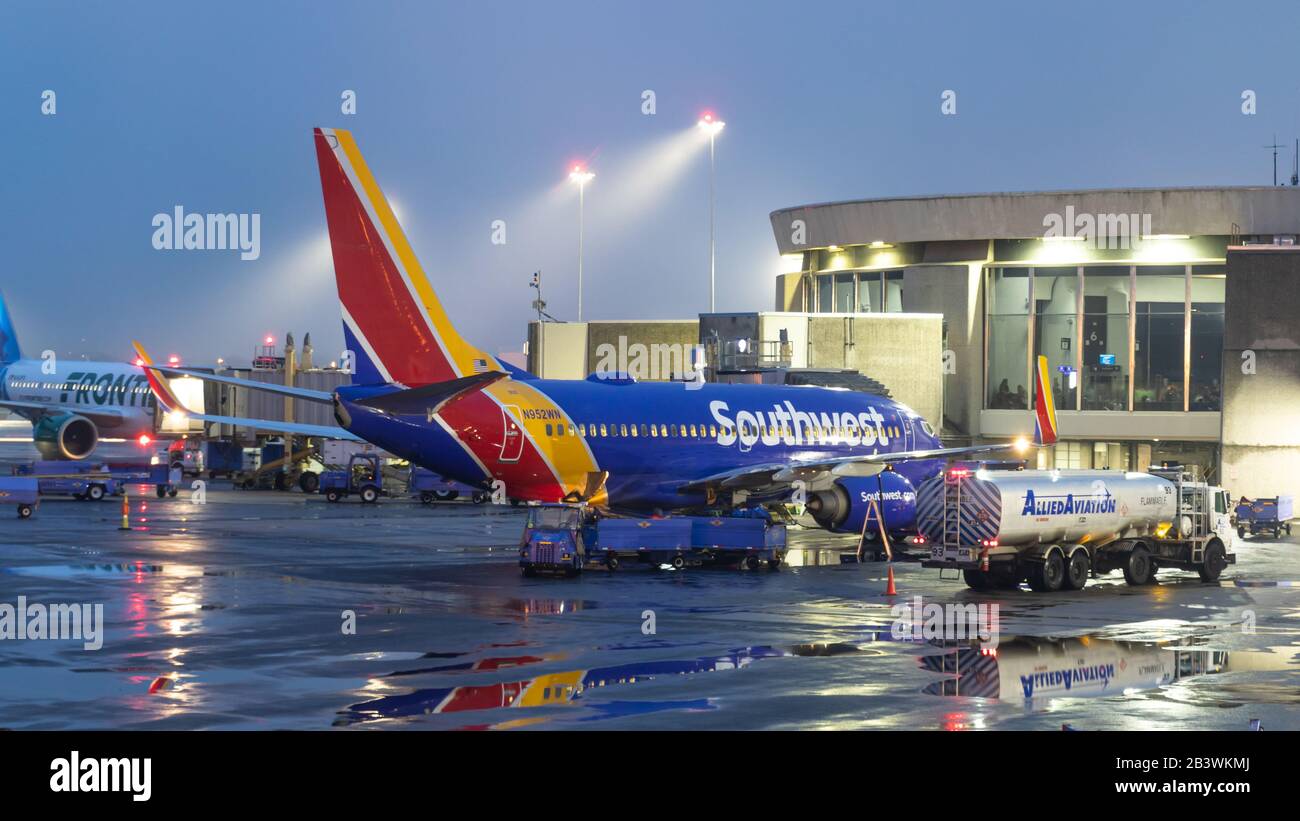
(604, 431)
(73, 386)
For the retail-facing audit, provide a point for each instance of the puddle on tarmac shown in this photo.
(1035, 670)
(563, 689)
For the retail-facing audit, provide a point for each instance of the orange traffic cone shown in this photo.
(889, 589)
(126, 512)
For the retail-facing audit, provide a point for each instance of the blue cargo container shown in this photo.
(566, 538)
(23, 491)
(1265, 515)
(76, 479)
(430, 487)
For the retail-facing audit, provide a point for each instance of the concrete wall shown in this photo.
(1261, 410)
(954, 291)
(557, 350)
(902, 351)
(652, 349)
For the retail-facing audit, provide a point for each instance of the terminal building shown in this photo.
(1126, 292)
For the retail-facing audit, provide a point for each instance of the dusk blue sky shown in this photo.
(471, 112)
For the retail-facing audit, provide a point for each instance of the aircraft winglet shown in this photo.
(161, 390)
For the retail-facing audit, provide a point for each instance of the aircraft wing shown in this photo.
(283, 390)
(271, 426)
(775, 476)
(170, 402)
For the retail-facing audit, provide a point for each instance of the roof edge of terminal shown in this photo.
(1043, 193)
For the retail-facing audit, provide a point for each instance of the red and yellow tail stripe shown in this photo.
(1044, 405)
(387, 300)
(390, 307)
(161, 389)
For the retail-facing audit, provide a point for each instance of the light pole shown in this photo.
(712, 125)
(581, 176)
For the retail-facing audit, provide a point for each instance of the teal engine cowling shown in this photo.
(65, 436)
(845, 506)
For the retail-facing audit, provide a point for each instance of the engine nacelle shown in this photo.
(845, 506)
(65, 436)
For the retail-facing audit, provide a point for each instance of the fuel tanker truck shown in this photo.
(1056, 528)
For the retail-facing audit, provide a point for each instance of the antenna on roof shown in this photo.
(1275, 147)
(1295, 164)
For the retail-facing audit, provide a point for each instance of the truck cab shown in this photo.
(555, 540)
(362, 477)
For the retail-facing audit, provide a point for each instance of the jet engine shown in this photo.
(65, 436)
(844, 507)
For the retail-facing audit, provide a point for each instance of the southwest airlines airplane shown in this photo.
(69, 402)
(424, 393)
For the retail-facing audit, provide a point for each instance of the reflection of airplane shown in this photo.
(428, 395)
(70, 402)
(1027, 668)
(558, 689)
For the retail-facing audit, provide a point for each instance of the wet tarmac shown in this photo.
(232, 615)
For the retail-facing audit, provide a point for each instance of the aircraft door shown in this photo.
(512, 440)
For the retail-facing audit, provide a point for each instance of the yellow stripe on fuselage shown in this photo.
(551, 689)
(461, 352)
(567, 454)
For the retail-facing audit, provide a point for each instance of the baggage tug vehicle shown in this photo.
(1055, 528)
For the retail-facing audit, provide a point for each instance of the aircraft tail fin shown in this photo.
(1044, 405)
(394, 324)
(9, 349)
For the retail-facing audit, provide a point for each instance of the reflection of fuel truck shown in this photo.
(1055, 528)
(1029, 667)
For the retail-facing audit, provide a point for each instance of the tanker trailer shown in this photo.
(1055, 528)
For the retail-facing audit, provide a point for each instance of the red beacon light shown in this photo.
(144, 440)
(959, 473)
(989, 542)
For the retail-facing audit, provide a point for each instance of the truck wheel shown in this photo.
(975, 578)
(1241, 532)
(171, 491)
(95, 493)
(751, 562)
(24, 511)
(161, 490)
(479, 497)
(1216, 559)
(1137, 568)
(611, 561)
(308, 482)
(774, 563)
(678, 562)
(331, 495)
(369, 495)
(1076, 570)
(426, 498)
(1048, 575)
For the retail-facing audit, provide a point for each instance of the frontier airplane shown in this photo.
(424, 393)
(69, 402)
